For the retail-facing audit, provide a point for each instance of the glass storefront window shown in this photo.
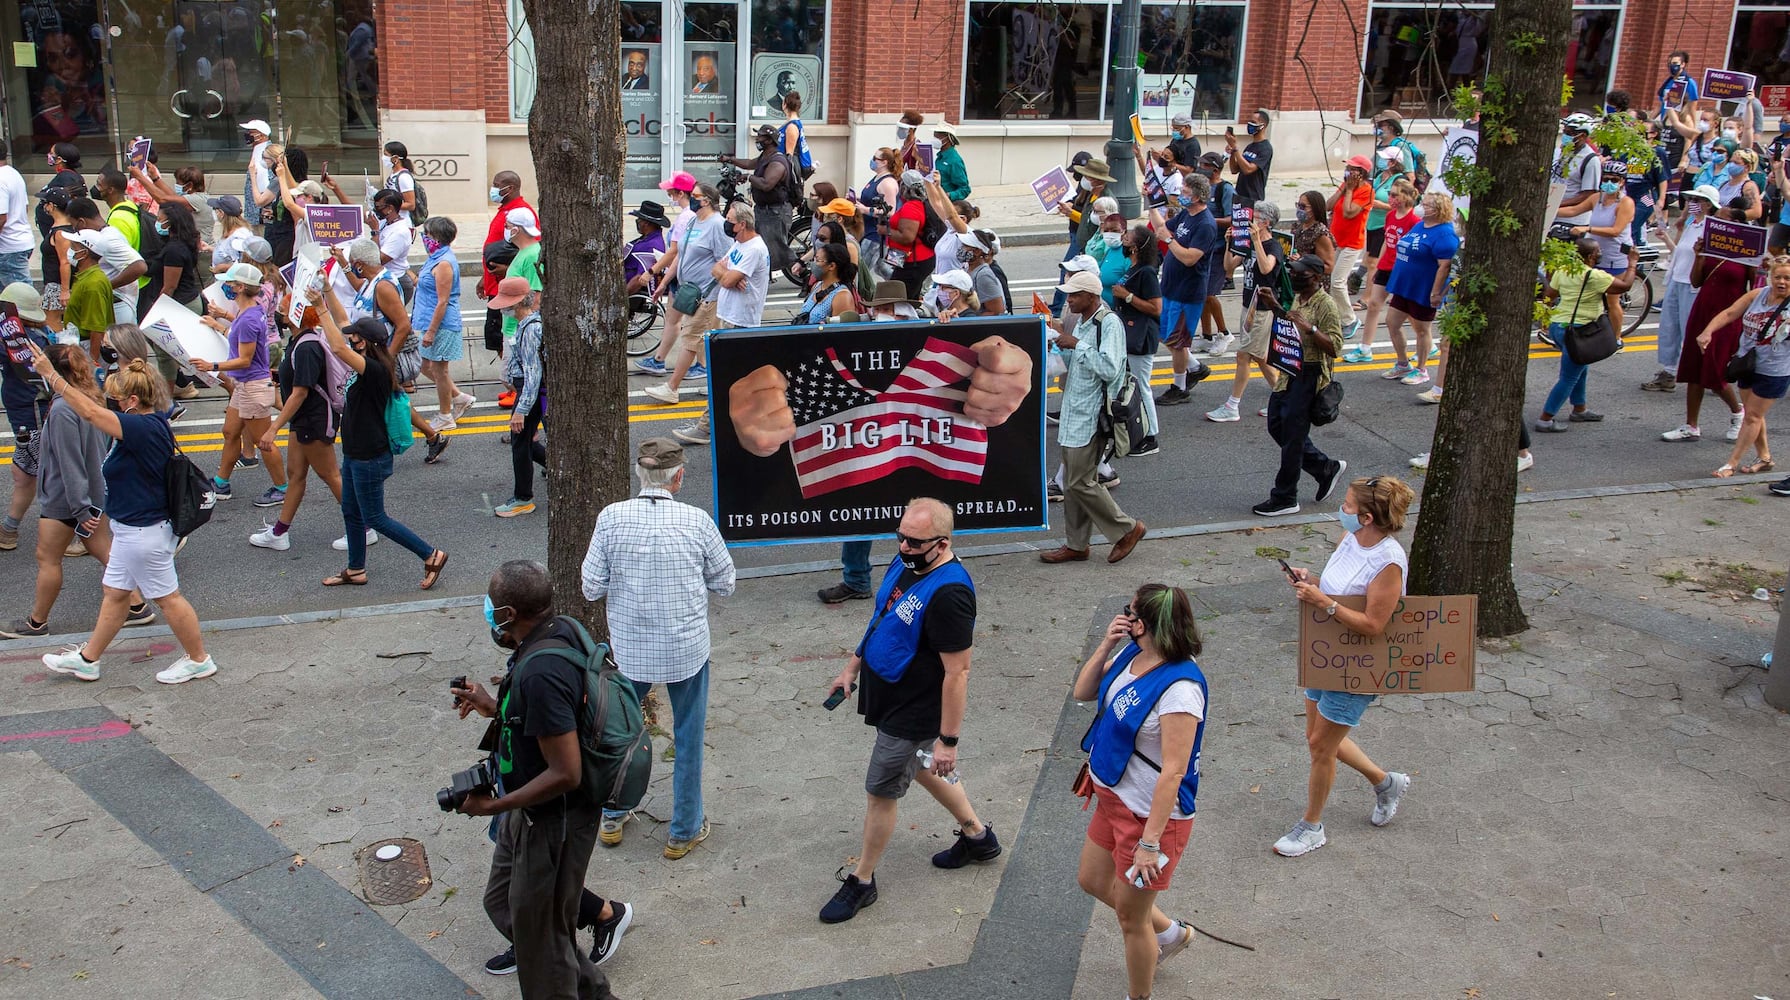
(1191, 59)
(520, 54)
(789, 40)
(1761, 42)
(1030, 61)
(1591, 52)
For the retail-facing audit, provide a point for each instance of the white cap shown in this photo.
(955, 278)
(524, 220)
(256, 125)
(1081, 262)
(243, 273)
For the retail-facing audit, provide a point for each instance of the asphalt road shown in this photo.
(1206, 473)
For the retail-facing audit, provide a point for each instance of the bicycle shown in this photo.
(644, 313)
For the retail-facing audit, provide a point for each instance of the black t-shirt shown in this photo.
(1187, 151)
(1141, 329)
(178, 254)
(304, 366)
(64, 179)
(363, 420)
(910, 708)
(543, 702)
(1253, 187)
(1252, 277)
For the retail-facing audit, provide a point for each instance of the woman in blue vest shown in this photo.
(1143, 756)
(1369, 562)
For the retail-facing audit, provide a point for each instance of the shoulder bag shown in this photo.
(1589, 343)
(190, 499)
(1746, 364)
(1122, 416)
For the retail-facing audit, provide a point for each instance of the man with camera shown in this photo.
(545, 831)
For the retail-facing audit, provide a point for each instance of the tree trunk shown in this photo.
(575, 135)
(1463, 539)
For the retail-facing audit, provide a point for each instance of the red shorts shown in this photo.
(1116, 830)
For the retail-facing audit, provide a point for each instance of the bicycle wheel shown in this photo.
(643, 316)
(1636, 302)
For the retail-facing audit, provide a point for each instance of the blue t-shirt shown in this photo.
(1180, 282)
(1420, 254)
(136, 470)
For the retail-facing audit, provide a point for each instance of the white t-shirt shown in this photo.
(17, 234)
(744, 306)
(394, 242)
(229, 249)
(1137, 786)
(1684, 254)
(1351, 567)
(401, 182)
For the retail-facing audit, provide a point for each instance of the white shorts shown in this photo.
(143, 560)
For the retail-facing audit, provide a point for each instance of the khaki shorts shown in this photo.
(1260, 334)
(690, 332)
(253, 400)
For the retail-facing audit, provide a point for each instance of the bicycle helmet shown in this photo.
(1578, 122)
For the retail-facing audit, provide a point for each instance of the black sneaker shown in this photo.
(852, 896)
(1053, 492)
(1174, 395)
(504, 964)
(1199, 373)
(139, 616)
(1274, 508)
(1147, 446)
(839, 593)
(25, 628)
(966, 850)
(1327, 485)
(436, 447)
(1781, 488)
(609, 933)
(1108, 480)
(250, 461)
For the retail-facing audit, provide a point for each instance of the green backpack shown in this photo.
(612, 738)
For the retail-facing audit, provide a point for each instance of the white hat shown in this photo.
(974, 242)
(945, 128)
(1081, 262)
(1081, 281)
(955, 278)
(1707, 192)
(103, 241)
(243, 273)
(256, 125)
(524, 220)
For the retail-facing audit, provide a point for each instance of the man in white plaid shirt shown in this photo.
(656, 559)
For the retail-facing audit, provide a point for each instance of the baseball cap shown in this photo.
(228, 204)
(679, 181)
(839, 206)
(256, 125)
(26, 300)
(368, 329)
(1361, 163)
(1180, 119)
(1081, 281)
(510, 291)
(57, 195)
(524, 220)
(258, 250)
(1310, 262)
(955, 278)
(1081, 262)
(659, 453)
(243, 273)
(107, 242)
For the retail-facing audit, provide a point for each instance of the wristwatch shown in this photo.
(949, 741)
(1330, 612)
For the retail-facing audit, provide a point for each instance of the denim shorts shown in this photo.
(1767, 386)
(1340, 707)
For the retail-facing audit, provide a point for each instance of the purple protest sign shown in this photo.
(138, 153)
(1734, 241)
(333, 224)
(1726, 84)
(1674, 94)
(1052, 188)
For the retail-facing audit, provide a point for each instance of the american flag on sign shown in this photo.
(847, 435)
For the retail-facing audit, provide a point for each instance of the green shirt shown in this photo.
(1581, 295)
(89, 308)
(1320, 311)
(526, 265)
(127, 218)
(954, 177)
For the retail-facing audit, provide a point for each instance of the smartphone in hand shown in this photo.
(837, 698)
(1288, 570)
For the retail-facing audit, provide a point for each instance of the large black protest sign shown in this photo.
(827, 432)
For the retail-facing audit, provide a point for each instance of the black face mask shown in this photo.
(917, 561)
(729, 229)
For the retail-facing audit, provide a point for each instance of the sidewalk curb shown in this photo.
(829, 565)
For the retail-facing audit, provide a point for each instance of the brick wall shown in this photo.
(436, 56)
(884, 58)
(1652, 29)
(1276, 64)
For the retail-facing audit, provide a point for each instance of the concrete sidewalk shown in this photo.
(1608, 815)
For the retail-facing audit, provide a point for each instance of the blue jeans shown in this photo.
(1573, 377)
(689, 717)
(15, 267)
(363, 507)
(1674, 314)
(855, 557)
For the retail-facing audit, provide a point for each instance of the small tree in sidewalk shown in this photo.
(1463, 537)
(575, 136)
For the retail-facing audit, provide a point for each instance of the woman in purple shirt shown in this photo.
(252, 403)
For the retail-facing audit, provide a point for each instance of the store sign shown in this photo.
(776, 74)
(641, 115)
(1776, 98)
(1161, 96)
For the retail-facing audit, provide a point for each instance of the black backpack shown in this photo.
(149, 242)
(933, 229)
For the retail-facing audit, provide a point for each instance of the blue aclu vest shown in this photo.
(1111, 739)
(894, 634)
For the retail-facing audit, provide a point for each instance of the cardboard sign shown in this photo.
(827, 432)
(1039, 306)
(175, 329)
(1734, 241)
(1726, 84)
(925, 155)
(138, 153)
(333, 224)
(1776, 98)
(1427, 648)
(311, 273)
(1242, 218)
(1673, 96)
(1285, 350)
(1052, 189)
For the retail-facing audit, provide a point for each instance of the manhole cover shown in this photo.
(388, 883)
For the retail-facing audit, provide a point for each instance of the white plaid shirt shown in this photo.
(655, 559)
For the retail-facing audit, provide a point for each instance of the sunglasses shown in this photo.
(1129, 613)
(914, 543)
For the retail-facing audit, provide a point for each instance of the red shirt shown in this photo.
(1396, 227)
(1351, 234)
(910, 210)
(494, 234)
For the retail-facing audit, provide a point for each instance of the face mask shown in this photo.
(1694, 209)
(1254, 129)
(495, 195)
(1351, 522)
(1675, 68)
(179, 188)
(1731, 133)
(963, 256)
(1719, 159)
(1087, 185)
(729, 229)
(52, 159)
(1112, 239)
(431, 244)
(1609, 109)
(1301, 214)
(1706, 124)
(497, 631)
(230, 292)
(917, 561)
(1734, 170)
(876, 165)
(1609, 187)
(1379, 133)
(161, 229)
(1185, 201)
(902, 131)
(69, 254)
(1784, 125)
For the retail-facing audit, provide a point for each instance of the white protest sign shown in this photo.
(1459, 146)
(174, 329)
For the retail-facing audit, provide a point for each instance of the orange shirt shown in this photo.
(1351, 234)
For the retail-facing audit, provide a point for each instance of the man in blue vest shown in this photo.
(917, 649)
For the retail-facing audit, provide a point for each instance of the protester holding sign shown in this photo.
(1264, 269)
(252, 393)
(1319, 324)
(1368, 562)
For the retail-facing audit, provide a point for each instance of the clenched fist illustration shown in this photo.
(1000, 383)
(759, 407)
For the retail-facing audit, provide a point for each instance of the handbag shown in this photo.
(397, 423)
(1327, 405)
(689, 297)
(1122, 417)
(1746, 364)
(1589, 343)
(189, 494)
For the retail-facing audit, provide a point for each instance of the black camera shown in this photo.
(480, 777)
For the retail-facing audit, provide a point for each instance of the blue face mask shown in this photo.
(161, 229)
(1609, 187)
(1734, 170)
(495, 195)
(1719, 159)
(230, 291)
(1351, 522)
(180, 189)
(497, 635)
(1185, 201)
(1253, 128)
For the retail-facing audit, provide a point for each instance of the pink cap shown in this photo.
(1362, 164)
(679, 181)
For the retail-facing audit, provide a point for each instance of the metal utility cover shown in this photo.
(388, 883)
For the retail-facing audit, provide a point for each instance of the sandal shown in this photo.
(1724, 472)
(1762, 465)
(349, 577)
(432, 568)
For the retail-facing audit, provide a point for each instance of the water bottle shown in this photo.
(925, 756)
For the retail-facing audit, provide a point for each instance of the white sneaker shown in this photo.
(1223, 413)
(662, 393)
(1734, 426)
(1166, 952)
(70, 661)
(1416, 376)
(1432, 395)
(1222, 344)
(1303, 838)
(341, 544)
(443, 422)
(266, 539)
(1525, 463)
(1386, 802)
(186, 669)
(1684, 432)
(462, 403)
(1421, 462)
